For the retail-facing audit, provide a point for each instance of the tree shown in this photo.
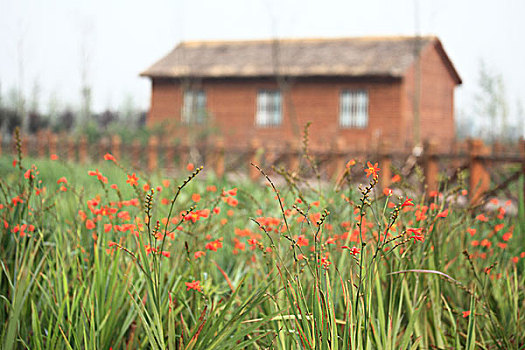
(491, 104)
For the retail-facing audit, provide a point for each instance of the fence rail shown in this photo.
(481, 161)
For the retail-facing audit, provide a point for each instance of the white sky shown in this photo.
(45, 41)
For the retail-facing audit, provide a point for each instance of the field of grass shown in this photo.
(100, 257)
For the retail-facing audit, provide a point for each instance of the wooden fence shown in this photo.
(482, 161)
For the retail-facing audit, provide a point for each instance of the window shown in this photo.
(269, 110)
(194, 108)
(353, 109)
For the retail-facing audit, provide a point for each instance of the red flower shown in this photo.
(302, 241)
(62, 180)
(53, 157)
(354, 250)
(28, 174)
(372, 170)
(471, 231)
(466, 314)
(506, 236)
(108, 156)
(350, 163)
(417, 235)
(198, 254)
(443, 214)
(396, 178)
(407, 203)
(195, 285)
(214, 245)
(482, 217)
(190, 167)
(99, 176)
(90, 224)
(132, 180)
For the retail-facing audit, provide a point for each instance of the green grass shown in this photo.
(93, 274)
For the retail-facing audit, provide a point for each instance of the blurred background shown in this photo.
(74, 65)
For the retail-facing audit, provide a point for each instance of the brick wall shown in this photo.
(232, 107)
(436, 101)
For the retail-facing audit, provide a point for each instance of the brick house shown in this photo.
(359, 90)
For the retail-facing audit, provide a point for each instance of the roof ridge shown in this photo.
(305, 39)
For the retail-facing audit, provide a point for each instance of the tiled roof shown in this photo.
(354, 57)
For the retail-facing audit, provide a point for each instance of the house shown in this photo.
(360, 90)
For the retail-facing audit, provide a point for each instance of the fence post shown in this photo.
(135, 153)
(40, 144)
(255, 157)
(116, 142)
(184, 151)
(294, 149)
(82, 149)
(430, 166)
(337, 163)
(385, 163)
(52, 143)
(103, 146)
(153, 148)
(479, 176)
(219, 157)
(169, 155)
(24, 144)
(71, 154)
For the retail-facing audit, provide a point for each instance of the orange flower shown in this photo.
(354, 250)
(372, 170)
(486, 243)
(196, 197)
(99, 176)
(132, 180)
(498, 227)
(190, 167)
(407, 203)
(195, 285)
(62, 180)
(466, 314)
(395, 178)
(214, 245)
(302, 241)
(108, 156)
(471, 231)
(90, 224)
(417, 235)
(198, 254)
(482, 217)
(506, 236)
(53, 157)
(350, 163)
(443, 214)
